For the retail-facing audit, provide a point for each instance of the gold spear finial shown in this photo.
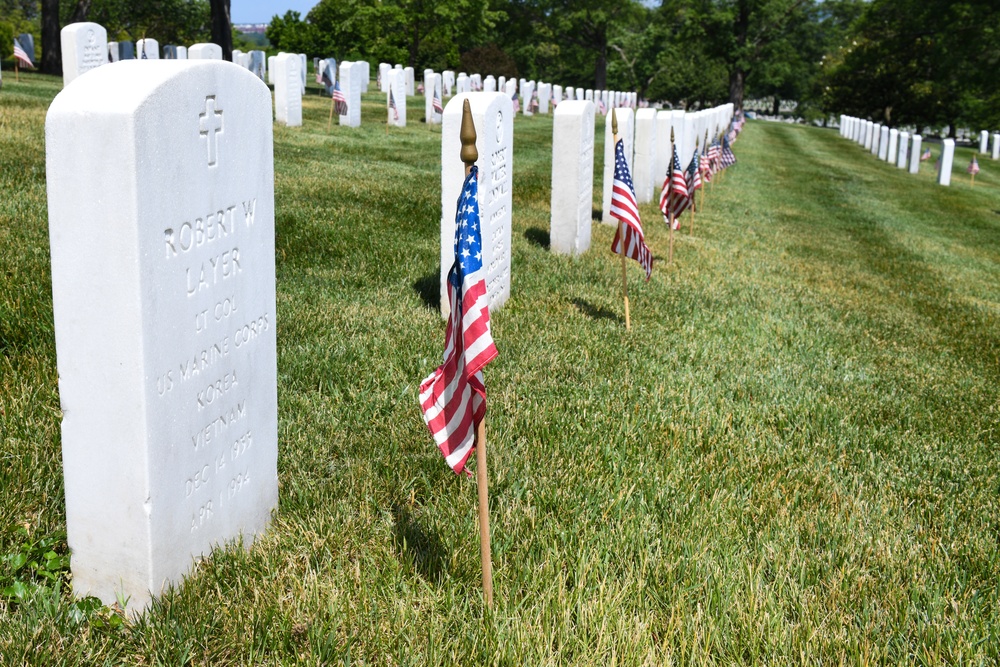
(614, 122)
(468, 136)
(671, 135)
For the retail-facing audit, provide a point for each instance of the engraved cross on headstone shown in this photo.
(210, 124)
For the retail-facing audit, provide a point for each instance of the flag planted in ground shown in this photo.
(339, 101)
(973, 167)
(392, 105)
(674, 198)
(453, 397)
(726, 157)
(926, 155)
(516, 102)
(22, 56)
(693, 177)
(436, 101)
(624, 208)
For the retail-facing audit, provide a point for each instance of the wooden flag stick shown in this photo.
(973, 180)
(670, 215)
(469, 156)
(329, 123)
(621, 227)
(17, 75)
(694, 195)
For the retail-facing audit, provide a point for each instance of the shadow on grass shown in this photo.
(538, 236)
(428, 288)
(414, 543)
(595, 312)
(596, 214)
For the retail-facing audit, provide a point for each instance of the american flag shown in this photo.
(533, 105)
(973, 167)
(624, 208)
(714, 151)
(926, 155)
(21, 55)
(726, 157)
(674, 198)
(453, 397)
(602, 108)
(392, 104)
(693, 177)
(436, 101)
(339, 101)
(328, 76)
(516, 101)
(705, 167)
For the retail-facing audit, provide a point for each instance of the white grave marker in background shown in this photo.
(947, 157)
(643, 178)
(996, 147)
(205, 51)
(164, 320)
(397, 84)
(915, 154)
(890, 153)
(147, 49)
(494, 121)
(84, 47)
(904, 140)
(351, 85)
(287, 90)
(572, 178)
(984, 138)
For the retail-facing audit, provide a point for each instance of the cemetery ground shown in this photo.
(792, 457)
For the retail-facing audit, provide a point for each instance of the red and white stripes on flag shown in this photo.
(674, 198)
(453, 397)
(624, 208)
(21, 56)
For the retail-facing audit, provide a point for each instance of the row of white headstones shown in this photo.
(160, 182)
(893, 145)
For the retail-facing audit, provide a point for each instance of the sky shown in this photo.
(261, 11)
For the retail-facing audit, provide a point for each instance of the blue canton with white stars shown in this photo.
(621, 167)
(468, 235)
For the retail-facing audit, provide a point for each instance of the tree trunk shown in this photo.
(222, 27)
(601, 68)
(777, 106)
(736, 79)
(80, 11)
(51, 42)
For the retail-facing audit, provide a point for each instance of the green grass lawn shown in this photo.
(793, 457)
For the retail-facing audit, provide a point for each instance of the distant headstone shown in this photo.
(904, 141)
(258, 66)
(169, 388)
(366, 75)
(304, 70)
(869, 134)
(205, 51)
(891, 151)
(448, 81)
(644, 178)
(996, 147)
(915, 154)
(410, 85)
(383, 74)
(169, 52)
(947, 158)
(984, 138)
(432, 84)
(489, 84)
(351, 85)
(84, 47)
(147, 49)
(114, 53)
(182, 53)
(511, 88)
(529, 90)
(494, 122)
(270, 69)
(397, 84)
(237, 56)
(572, 178)
(287, 90)
(626, 133)
(556, 94)
(883, 143)
(544, 97)
(463, 84)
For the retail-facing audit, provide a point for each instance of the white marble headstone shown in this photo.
(397, 84)
(408, 81)
(996, 147)
(626, 133)
(432, 82)
(287, 90)
(891, 151)
(351, 84)
(448, 81)
(984, 138)
(182, 53)
(147, 49)
(84, 47)
(572, 178)
(165, 320)
(544, 97)
(644, 176)
(205, 51)
(901, 153)
(489, 84)
(883, 143)
(494, 122)
(915, 154)
(947, 158)
(383, 73)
